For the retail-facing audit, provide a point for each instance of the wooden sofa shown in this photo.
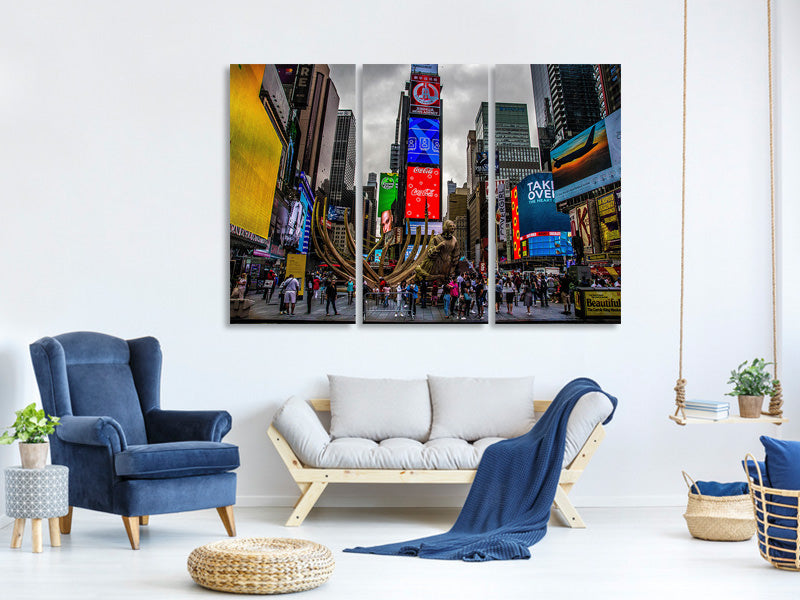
(312, 481)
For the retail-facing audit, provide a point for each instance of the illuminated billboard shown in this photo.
(534, 214)
(434, 227)
(423, 141)
(387, 196)
(608, 218)
(255, 152)
(589, 160)
(546, 243)
(425, 95)
(422, 191)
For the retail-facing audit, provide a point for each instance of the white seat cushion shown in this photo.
(403, 453)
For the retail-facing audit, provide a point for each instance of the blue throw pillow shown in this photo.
(717, 489)
(783, 463)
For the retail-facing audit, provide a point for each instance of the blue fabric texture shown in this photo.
(508, 506)
(783, 462)
(186, 425)
(125, 455)
(176, 459)
(714, 488)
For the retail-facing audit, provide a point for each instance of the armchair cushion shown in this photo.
(186, 425)
(92, 431)
(176, 459)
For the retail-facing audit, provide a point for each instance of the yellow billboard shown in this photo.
(599, 303)
(296, 266)
(255, 152)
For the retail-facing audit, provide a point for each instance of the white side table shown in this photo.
(37, 494)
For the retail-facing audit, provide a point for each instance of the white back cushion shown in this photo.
(378, 409)
(471, 408)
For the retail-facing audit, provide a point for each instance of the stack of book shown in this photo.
(702, 409)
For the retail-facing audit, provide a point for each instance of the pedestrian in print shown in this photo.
(446, 298)
(563, 283)
(400, 298)
(413, 295)
(316, 284)
(282, 297)
(423, 291)
(330, 295)
(309, 293)
(291, 287)
(508, 293)
(527, 295)
(351, 288)
(541, 286)
(241, 286)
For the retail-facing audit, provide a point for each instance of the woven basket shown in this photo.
(777, 522)
(719, 518)
(261, 565)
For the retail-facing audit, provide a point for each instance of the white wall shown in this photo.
(113, 179)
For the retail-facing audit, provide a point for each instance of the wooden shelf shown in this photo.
(763, 419)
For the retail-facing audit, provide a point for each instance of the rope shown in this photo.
(777, 392)
(680, 385)
(776, 402)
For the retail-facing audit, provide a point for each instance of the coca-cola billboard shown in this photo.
(422, 191)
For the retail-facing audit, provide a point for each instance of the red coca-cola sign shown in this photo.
(422, 191)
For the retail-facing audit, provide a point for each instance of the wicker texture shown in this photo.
(778, 525)
(261, 565)
(719, 518)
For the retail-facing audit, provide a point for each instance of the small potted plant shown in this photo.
(750, 383)
(31, 430)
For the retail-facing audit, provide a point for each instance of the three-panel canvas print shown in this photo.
(467, 207)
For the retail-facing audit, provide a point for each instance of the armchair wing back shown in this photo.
(126, 455)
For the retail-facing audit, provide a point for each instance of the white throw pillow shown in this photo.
(378, 409)
(471, 408)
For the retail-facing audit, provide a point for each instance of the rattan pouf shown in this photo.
(261, 565)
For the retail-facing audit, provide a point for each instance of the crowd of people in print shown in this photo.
(461, 297)
(319, 285)
(513, 289)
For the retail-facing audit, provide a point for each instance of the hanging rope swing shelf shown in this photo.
(775, 413)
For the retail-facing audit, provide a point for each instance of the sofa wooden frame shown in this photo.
(312, 481)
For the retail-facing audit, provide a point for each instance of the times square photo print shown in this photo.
(425, 205)
(292, 193)
(558, 193)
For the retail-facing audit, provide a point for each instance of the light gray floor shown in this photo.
(624, 553)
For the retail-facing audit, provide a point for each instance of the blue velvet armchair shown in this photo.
(125, 455)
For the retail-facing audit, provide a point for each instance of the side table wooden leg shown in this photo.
(55, 533)
(37, 534)
(16, 535)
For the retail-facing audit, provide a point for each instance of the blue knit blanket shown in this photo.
(508, 505)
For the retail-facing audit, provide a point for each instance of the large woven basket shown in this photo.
(719, 518)
(777, 522)
(261, 565)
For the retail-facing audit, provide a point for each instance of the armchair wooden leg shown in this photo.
(226, 514)
(132, 529)
(144, 520)
(568, 511)
(306, 503)
(65, 522)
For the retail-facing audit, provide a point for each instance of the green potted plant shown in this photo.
(31, 430)
(750, 383)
